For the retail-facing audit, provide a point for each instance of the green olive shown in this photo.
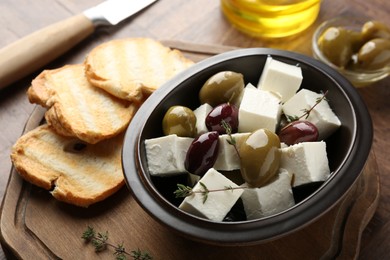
(356, 39)
(374, 54)
(179, 120)
(336, 45)
(260, 157)
(375, 29)
(223, 87)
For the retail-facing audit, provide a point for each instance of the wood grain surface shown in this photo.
(199, 22)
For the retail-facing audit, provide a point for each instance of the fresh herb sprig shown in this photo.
(100, 242)
(231, 140)
(306, 112)
(185, 191)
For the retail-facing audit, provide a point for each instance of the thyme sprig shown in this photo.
(306, 112)
(231, 140)
(185, 191)
(100, 242)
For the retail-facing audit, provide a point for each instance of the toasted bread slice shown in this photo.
(76, 108)
(76, 172)
(140, 66)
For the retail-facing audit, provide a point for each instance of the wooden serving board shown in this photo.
(36, 226)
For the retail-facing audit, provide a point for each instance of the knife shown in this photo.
(32, 52)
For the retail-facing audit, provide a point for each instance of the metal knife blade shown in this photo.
(32, 52)
(111, 12)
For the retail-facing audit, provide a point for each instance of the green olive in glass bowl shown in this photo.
(356, 47)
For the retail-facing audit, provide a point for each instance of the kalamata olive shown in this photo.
(335, 43)
(227, 112)
(179, 120)
(260, 157)
(202, 153)
(374, 54)
(375, 29)
(223, 87)
(297, 132)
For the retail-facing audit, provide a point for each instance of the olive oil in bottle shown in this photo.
(271, 18)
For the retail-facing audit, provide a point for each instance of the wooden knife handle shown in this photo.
(32, 52)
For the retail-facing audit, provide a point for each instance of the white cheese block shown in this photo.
(308, 162)
(270, 199)
(166, 155)
(321, 116)
(258, 109)
(281, 78)
(218, 203)
(228, 159)
(201, 113)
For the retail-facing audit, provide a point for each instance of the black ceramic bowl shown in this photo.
(347, 149)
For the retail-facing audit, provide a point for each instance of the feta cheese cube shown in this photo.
(166, 155)
(321, 116)
(308, 162)
(270, 199)
(281, 78)
(218, 203)
(258, 109)
(228, 159)
(201, 113)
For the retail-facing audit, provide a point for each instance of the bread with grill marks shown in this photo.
(74, 171)
(76, 108)
(140, 66)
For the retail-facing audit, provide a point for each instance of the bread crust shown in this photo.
(141, 66)
(77, 176)
(89, 107)
(76, 108)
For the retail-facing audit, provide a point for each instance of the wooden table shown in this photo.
(199, 22)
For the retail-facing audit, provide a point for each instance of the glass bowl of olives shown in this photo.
(357, 47)
(347, 148)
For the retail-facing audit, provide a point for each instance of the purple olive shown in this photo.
(227, 112)
(297, 132)
(202, 153)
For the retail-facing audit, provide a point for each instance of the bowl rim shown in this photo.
(246, 232)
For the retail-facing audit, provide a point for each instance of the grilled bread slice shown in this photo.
(141, 65)
(76, 108)
(76, 172)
